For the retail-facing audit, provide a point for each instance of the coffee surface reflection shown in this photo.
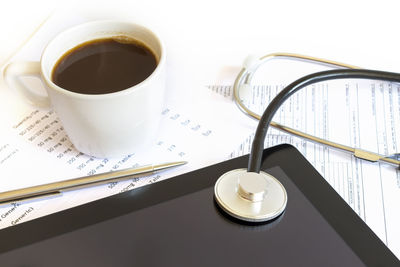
(104, 66)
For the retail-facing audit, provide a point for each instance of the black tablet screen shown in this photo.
(190, 231)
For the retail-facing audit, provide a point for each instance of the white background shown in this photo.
(217, 35)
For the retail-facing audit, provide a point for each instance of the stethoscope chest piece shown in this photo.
(250, 196)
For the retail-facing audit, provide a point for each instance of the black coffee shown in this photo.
(104, 66)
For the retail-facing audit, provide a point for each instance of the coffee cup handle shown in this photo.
(12, 74)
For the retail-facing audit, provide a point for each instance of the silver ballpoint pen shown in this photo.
(51, 189)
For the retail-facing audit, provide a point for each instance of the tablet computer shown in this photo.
(177, 222)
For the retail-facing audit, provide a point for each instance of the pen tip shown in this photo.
(169, 165)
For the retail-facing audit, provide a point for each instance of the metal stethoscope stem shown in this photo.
(258, 143)
(244, 80)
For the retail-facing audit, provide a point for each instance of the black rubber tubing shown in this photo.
(255, 158)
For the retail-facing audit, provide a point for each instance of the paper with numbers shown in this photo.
(35, 149)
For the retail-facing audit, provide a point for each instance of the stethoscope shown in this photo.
(253, 195)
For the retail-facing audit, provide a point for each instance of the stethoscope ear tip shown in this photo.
(250, 196)
(251, 61)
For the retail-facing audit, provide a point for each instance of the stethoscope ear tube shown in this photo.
(255, 158)
(252, 63)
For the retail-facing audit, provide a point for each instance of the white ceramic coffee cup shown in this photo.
(105, 125)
